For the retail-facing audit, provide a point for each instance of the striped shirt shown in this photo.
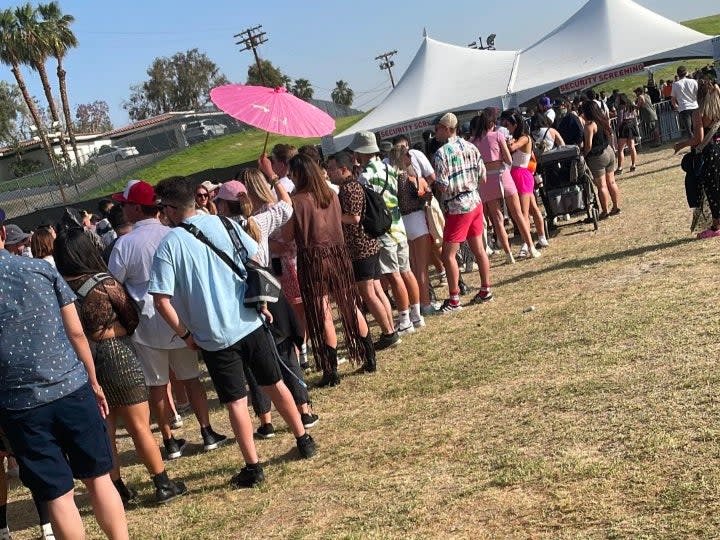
(375, 175)
(459, 169)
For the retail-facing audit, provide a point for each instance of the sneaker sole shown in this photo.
(419, 324)
(406, 331)
(445, 312)
(176, 425)
(213, 446)
(263, 437)
(311, 424)
(178, 454)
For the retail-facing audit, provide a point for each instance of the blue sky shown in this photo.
(321, 41)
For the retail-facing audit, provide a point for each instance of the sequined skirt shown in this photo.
(119, 373)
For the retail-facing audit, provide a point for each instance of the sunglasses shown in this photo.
(202, 195)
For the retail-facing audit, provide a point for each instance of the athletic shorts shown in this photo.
(59, 441)
(415, 224)
(601, 163)
(395, 258)
(156, 363)
(524, 180)
(225, 366)
(367, 269)
(460, 227)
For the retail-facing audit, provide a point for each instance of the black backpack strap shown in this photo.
(387, 179)
(235, 238)
(197, 233)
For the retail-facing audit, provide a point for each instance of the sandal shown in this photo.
(603, 215)
(615, 211)
(632, 168)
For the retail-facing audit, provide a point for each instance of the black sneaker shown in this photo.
(174, 447)
(306, 446)
(480, 299)
(265, 431)
(172, 490)
(309, 419)
(249, 476)
(212, 440)
(387, 340)
(449, 307)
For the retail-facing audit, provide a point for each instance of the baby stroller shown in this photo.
(567, 185)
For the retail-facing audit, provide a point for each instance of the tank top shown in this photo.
(599, 142)
(520, 158)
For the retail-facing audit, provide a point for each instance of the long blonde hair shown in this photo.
(256, 184)
(708, 97)
(242, 208)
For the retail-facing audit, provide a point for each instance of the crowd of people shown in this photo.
(105, 319)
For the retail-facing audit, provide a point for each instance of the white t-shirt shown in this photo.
(130, 263)
(421, 163)
(685, 92)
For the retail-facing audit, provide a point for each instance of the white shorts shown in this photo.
(415, 224)
(156, 363)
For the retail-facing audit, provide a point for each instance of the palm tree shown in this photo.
(342, 94)
(34, 33)
(60, 39)
(303, 89)
(12, 54)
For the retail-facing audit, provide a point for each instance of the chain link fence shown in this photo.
(47, 188)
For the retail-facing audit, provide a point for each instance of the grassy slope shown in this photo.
(221, 152)
(707, 25)
(594, 416)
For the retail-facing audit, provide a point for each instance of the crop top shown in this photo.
(104, 305)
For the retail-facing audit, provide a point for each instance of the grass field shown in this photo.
(707, 25)
(593, 416)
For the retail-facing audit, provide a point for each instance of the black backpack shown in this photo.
(376, 219)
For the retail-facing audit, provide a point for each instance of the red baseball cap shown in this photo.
(137, 192)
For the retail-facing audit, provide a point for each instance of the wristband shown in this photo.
(185, 335)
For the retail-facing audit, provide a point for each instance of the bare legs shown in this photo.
(419, 259)
(529, 207)
(377, 303)
(622, 143)
(607, 191)
(498, 221)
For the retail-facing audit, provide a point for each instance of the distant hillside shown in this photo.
(707, 25)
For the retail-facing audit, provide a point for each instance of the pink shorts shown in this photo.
(460, 227)
(524, 180)
(490, 189)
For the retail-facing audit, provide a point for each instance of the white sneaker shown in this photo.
(419, 323)
(509, 259)
(534, 253)
(542, 242)
(489, 251)
(404, 330)
(177, 422)
(47, 532)
(523, 252)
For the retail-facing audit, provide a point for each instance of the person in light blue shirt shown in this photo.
(201, 298)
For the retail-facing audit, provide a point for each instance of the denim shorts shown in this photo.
(59, 441)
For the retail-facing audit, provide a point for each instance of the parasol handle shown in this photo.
(267, 136)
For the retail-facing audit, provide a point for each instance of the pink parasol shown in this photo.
(273, 110)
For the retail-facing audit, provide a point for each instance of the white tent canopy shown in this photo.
(602, 35)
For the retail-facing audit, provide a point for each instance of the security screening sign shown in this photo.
(592, 80)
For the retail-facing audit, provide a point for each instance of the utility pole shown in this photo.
(250, 39)
(387, 64)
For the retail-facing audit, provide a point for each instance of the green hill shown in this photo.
(707, 25)
(215, 153)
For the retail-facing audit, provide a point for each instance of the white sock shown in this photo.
(404, 318)
(415, 314)
(47, 530)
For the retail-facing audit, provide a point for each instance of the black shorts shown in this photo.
(225, 366)
(59, 441)
(367, 269)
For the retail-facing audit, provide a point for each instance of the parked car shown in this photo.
(110, 154)
(202, 130)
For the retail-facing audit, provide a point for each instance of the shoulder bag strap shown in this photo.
(197, 233)
(90, 284)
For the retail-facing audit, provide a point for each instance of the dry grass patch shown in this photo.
(593, 416)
